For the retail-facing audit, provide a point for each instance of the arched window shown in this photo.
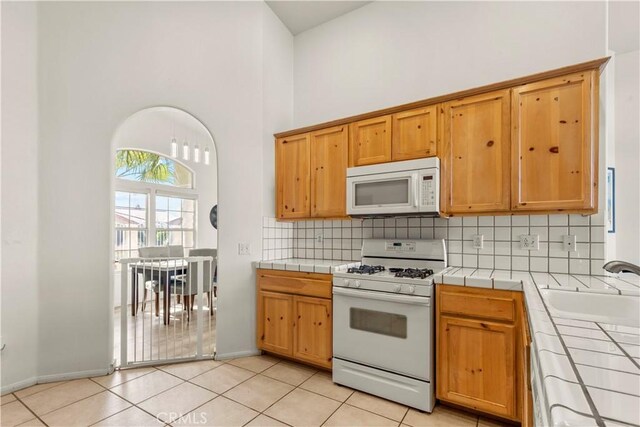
(145, 166)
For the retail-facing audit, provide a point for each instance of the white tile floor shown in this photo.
(252, 391)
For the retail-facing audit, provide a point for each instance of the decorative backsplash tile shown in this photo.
(342, 240)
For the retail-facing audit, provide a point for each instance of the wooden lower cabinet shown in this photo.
(312, 330)
(275, 312)
(479, 360)
(294, 316)
(477, 365)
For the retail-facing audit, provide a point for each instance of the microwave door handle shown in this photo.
(416, 187)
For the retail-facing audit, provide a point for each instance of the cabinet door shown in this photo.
(555, 144)
(292, 177)
(476, 365)
(329, 158)
(370, 141)
(414, 133)
(312, 331)
(275, 322)
(475, 158)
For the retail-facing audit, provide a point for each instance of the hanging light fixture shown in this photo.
(196, 153)
(206, 155)
(185, 150)
(174, 147)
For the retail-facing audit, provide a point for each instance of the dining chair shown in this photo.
(186, 285)
(155, 252)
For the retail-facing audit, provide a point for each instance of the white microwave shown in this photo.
(397, 188)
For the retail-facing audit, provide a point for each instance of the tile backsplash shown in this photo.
(335, 239)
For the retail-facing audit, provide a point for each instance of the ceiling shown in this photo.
(299, 16)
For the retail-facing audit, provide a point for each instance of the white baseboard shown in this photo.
(19, 385)
(53, 378)
(73, 375)
(224, 356)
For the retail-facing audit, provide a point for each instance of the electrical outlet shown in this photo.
(244, 248)
(530, 242)
(569, 243)
(478, 241)
(319, 238)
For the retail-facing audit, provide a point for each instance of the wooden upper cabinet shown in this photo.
(555, 144)
(370, 141)
(292, 177)
(415, 133)
(475, 154)
(329, 162)
(312, 330)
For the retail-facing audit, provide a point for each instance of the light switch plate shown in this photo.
(478, 241)
(569, 243)
(530, 242)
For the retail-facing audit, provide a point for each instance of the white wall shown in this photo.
(19, 290)
(388, 53)
(627, 156)
(277, 107)
(99, 63)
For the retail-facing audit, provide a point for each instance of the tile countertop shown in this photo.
(326, 266)
(589, 371)
(624, 284)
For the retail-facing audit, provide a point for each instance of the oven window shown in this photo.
(395, 192)
(378, 322)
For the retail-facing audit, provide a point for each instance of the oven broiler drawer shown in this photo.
(398, 388)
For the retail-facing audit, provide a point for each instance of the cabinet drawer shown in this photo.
(486, 304)
(293, 282)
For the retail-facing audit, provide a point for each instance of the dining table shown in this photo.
(160, 271)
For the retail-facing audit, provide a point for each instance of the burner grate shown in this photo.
(366, 269)
(413, 273)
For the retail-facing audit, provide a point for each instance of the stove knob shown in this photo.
(412, 289)
(348, 282)
(397, 288)
(357, 284)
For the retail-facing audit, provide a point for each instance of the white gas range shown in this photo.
(383, 321)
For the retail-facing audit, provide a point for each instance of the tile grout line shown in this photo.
(30, 410)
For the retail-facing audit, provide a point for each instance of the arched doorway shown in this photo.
(165, 184)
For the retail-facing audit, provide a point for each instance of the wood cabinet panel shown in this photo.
(370, 141)
(312, 330)
(275, 319)
(555, 144)
(292, 177)
(469, 302)
(477, 365)
(293, 282)
(414, 133)
(329, 162)
(475, 158)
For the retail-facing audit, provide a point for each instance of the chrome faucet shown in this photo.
(621, 267)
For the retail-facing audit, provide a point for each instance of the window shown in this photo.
(144, 213)
(175, 221)
(130, 223)
(145, 166)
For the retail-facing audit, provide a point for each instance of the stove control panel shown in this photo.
(391, 246)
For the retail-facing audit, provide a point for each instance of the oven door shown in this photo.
(386, 331)
(383, 194)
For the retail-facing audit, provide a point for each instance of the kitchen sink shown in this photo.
(594, 307)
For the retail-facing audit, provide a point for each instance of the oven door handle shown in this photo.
(383, 296)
